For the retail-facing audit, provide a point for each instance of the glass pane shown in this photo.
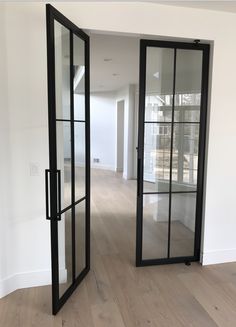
(159, 84)
(188, 85)
(79, 78)
(155, 226)
(64, 161)
(79, 160)
(80, 230)
(62, 71)
(157, 142)
(185, 157)
(65, 252)
(183, 213)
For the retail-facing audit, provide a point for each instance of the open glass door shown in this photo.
(171, 149)
(68, 178)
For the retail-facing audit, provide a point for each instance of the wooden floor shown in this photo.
(115, 293)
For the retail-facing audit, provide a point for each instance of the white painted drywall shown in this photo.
(24, 96)
(25, 254)
(5, 184)
(120, 121)
(103, 129)
(127, 94)
(103, 107)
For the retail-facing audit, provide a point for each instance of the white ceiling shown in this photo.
(228, 6)
(122, 69)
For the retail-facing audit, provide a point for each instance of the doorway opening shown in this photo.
(162, 106)
(171, 109)
(114, 80)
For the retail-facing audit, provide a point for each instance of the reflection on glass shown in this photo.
(185, 157)
(155, 226)
(165, 117)
(159, 84)
(80, 230)
(62, 71)
(183, 210)
(65, 252)
(79, 79)
(188, 85)
(79, 160)
(157, 141)
(64, 161)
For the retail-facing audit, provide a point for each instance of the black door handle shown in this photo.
(47, 194)
(138, 176)
(47, 171)
(59, 194)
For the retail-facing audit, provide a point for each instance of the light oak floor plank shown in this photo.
(117, 294)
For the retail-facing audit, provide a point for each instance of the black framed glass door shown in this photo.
(171, 149)
(68, 178)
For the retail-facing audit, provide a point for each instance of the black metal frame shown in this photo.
(205, 48)
(53, 213)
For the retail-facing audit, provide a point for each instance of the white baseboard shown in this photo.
(27, 279)
(125, 176)
(218, 256)
(43, 277)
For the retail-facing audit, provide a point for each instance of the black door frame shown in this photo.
(52, 176)
(205, 48)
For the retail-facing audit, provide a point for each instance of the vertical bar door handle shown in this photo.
(59, 194)
(138, 176)
(47, 194)
(47, 171)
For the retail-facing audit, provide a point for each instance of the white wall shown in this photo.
(127, 94)
(120, 128)
(5, 263)
(103, 129)
(26, 232)
(103, 106)
(26, 249)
